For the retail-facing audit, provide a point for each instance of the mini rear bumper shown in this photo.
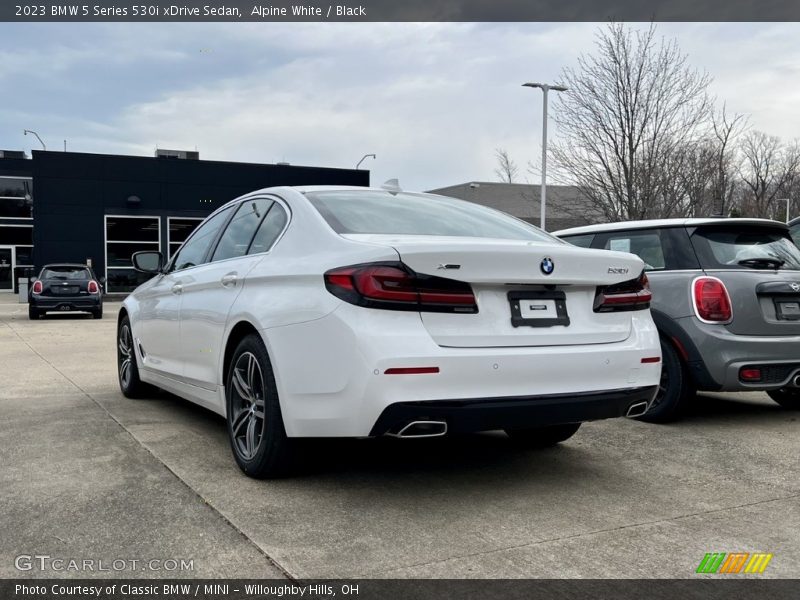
(88, 302)
(486, 414)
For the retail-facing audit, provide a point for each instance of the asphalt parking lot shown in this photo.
(87, 473)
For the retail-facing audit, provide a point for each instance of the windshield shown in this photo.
(377, 212)
(65, 273)
(745, 247)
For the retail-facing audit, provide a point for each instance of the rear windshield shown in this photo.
(65, 273)
(378, 212)
(745, 248)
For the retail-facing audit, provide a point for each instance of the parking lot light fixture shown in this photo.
(27, 131)
(543, 188)
(358, 164)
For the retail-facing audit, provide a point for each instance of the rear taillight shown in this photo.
(633, 294)
(712, 304)
(37, 287)
(93, 288)
(393, 286)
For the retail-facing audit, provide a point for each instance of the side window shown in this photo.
(646, 245)
(194, 251)
(270, 229)
(794, 230)
(239, 233)
(582, 241)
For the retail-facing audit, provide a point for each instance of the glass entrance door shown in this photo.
(6, 268)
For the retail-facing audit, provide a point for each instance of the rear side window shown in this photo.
(743, 247)
(645, 244)
(239, 233)
(373, 211)
(794, 231)
(65, 273)
(582, 241)
(271, 227)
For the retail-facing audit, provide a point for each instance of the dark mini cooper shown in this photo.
(65, 287)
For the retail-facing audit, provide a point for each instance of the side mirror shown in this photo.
(103, 280)
(148, 261)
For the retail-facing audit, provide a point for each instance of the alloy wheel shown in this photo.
(247, 405)
(125, 355)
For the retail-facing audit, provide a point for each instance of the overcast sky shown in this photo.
(433, 101)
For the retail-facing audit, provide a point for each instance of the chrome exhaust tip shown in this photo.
(422, 429)
(636, 410)
(796, 381)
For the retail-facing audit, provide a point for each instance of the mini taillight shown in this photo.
(93, 288)
(712, 304)
(393, 286)
(633, 294)
(37, 287)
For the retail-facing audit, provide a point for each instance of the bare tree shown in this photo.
(768, 171)
(507, 169)
(625, 122)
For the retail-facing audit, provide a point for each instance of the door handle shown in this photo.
(229, 280)
(177, 288)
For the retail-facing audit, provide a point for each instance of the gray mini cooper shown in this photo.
(726, 300)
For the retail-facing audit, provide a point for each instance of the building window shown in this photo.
(16, 235)
(124, 236)
(179, 228)
(16, 195)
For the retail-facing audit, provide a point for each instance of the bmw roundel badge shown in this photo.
(547, 265)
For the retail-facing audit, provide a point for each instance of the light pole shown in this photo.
(358, 164)
(545, 88)
(27, 131)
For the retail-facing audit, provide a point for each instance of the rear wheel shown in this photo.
(97, 313)
(33, 314)
(127, 370)
(255, 424)
(543, 437)
(674, 388)
(788, 398)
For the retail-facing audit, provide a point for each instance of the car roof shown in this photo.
(659, 223)
(795, 221)
(72, 265)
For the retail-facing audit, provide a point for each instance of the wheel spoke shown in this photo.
(239, 420)
(241, 386)
(250, 442)
(259, 408)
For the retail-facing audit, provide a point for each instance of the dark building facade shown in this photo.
(99, 209)
(16, 217)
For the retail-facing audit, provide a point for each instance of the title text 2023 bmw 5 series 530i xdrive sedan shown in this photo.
(360, 312)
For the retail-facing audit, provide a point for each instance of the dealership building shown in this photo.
(99, 209)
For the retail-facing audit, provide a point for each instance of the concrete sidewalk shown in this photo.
(88, 473)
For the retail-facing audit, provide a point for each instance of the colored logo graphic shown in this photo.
(547, 265)
(734, 562)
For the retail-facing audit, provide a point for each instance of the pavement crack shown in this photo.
(119, 423)
(381, 573)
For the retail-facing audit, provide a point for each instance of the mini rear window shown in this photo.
(375, 212)
(66, 273)
(745, 247)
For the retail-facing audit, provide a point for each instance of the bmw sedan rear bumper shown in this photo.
(486, 414)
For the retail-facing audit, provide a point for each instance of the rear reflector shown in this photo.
(410, 370)
(712, 304)
(750, 374)
(651, 359)
(633, 294)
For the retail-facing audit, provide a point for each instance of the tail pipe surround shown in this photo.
(422, 429)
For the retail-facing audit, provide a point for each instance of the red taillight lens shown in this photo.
(37, 287)
(93, 288)
(711, 300)
(633, 294)
(394, 287)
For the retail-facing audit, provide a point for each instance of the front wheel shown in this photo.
(127, 370)
(543, 437)
(674, 389)
(255, 424)
(788, 398)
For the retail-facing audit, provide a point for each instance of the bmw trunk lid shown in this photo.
(528, 293)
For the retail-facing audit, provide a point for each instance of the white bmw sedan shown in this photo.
(359, 312)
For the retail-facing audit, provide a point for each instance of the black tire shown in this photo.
(255, 423)
(33, 314)
(97, 313)
(130, 384)
(788, 398)
(542, 437)
(674, 390)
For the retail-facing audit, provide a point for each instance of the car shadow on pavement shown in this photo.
(705, 408)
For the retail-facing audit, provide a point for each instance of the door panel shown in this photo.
(157, 330)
